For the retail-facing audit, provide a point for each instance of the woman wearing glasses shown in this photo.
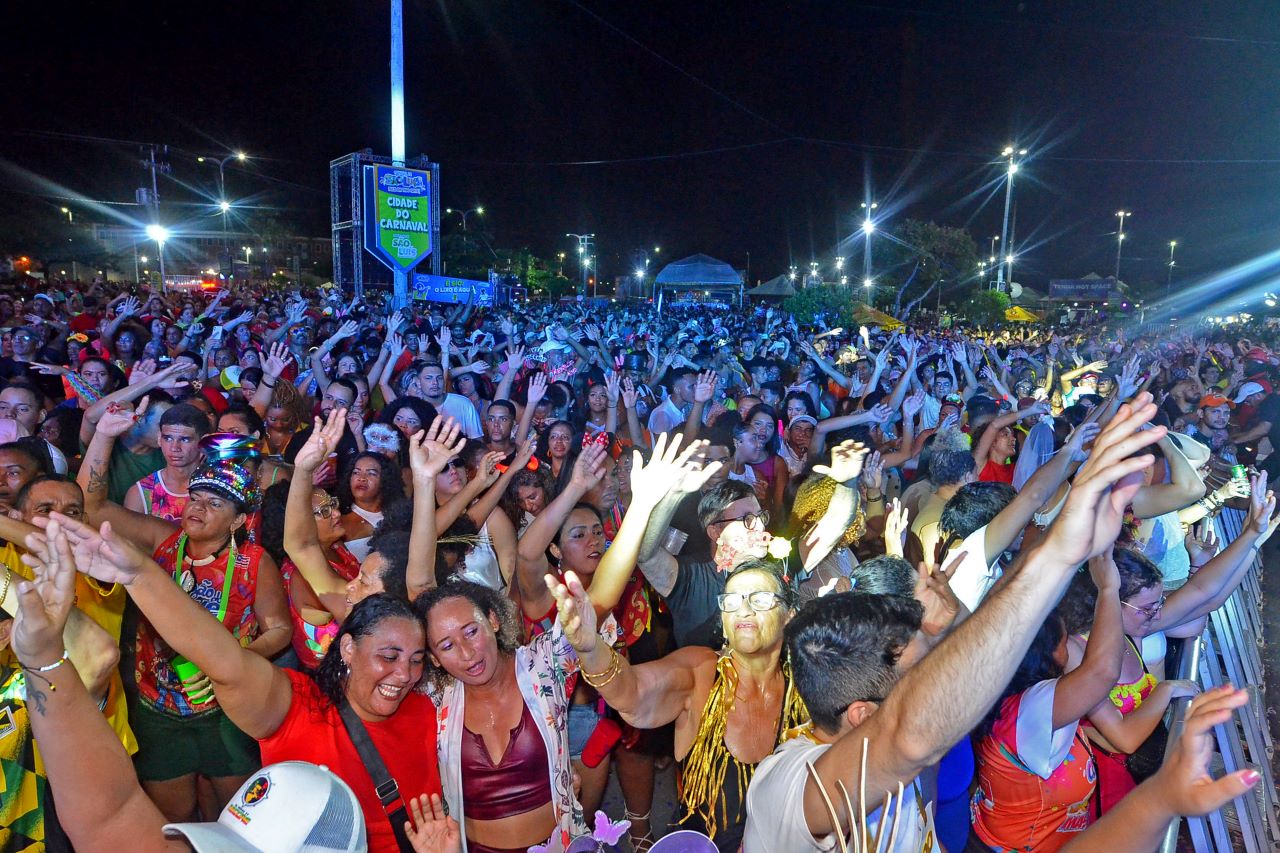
(316, 536)
(1148, 617)
(730, 708)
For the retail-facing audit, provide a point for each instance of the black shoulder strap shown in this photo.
(384, 785)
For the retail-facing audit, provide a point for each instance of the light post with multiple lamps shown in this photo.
(1123, 214)
(1012, 155)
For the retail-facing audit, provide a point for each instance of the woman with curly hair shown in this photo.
(507, 772)
(369, 483)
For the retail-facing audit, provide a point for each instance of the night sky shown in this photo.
(727, 128)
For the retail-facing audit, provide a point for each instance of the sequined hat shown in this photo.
(228, 479)
(230, 446)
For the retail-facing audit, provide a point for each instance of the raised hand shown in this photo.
(933, 591)
(588, 470)
(577, 614)
(515, 357)
(1106, 483)
(613, 387)
(1105, 573)
(846, 462)
(629, 393)
(50, 369)
(431, 449)
(1261, 520)
(44, 604)
(444, 339)
(1183, 783)
(277, 360)
(432, 830)
(346, 330)
(323, 440)
(175, 375)
(120, 418)
(913, 402)
(537, 388)
(1201, 542)
(705, 387)
(395, 321)
(1080, 438)
(101, 554)
(897, 521)
(142, 371)
(873, 473)
(667, 470)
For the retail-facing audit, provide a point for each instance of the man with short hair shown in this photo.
(163, 493)
(675, 409)
(431, 388)
(499, 421)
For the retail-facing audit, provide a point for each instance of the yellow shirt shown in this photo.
(105, 606)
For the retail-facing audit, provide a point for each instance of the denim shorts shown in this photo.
(583, 720)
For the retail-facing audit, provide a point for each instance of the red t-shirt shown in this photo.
(312, 731)
(995, 472)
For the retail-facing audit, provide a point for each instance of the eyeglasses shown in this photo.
(326, 509)
(750, 520)
(1150, 610)
(454, 464)
(760, 601)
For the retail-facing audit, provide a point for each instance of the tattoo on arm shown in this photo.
(97, 480)
(35, 698)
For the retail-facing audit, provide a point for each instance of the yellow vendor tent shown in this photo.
(865, 315)
(1018, 314)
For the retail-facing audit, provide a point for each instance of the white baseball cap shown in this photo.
(290, 806)
(1247, 390)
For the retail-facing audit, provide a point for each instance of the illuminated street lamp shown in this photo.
(71, 218)
(464, 214)
(1123, 214)
(223, 204)
(1173, 244)
(1012, 170)
(868, 226)
(161, 235)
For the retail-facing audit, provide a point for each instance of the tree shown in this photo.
(927, 255)
(987, 307)
(833, 301)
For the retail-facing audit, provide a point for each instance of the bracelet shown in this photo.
(269, 384)
(38, 671)
(613, 670)
(66, 656)
(8, 579)
(875, 500)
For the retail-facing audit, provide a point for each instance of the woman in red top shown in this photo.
(377, 670)
(995, 446)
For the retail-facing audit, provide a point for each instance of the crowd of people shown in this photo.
(293, 569)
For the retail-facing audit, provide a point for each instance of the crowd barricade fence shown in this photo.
(1228, 651)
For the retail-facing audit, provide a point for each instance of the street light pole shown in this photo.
(223, 204)
(994, 240)
(1168, 289)
(584, 244)
(465, 214)
(1123, 214)
(868, 226)
(1010, 153)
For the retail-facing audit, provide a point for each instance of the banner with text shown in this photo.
(443, 288)
(397, 215)
(1082, 288)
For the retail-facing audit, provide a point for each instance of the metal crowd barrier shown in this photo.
(1227, 651)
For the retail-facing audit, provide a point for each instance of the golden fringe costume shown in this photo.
(708, 794)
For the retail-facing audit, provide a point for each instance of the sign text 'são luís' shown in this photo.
(397, 216)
